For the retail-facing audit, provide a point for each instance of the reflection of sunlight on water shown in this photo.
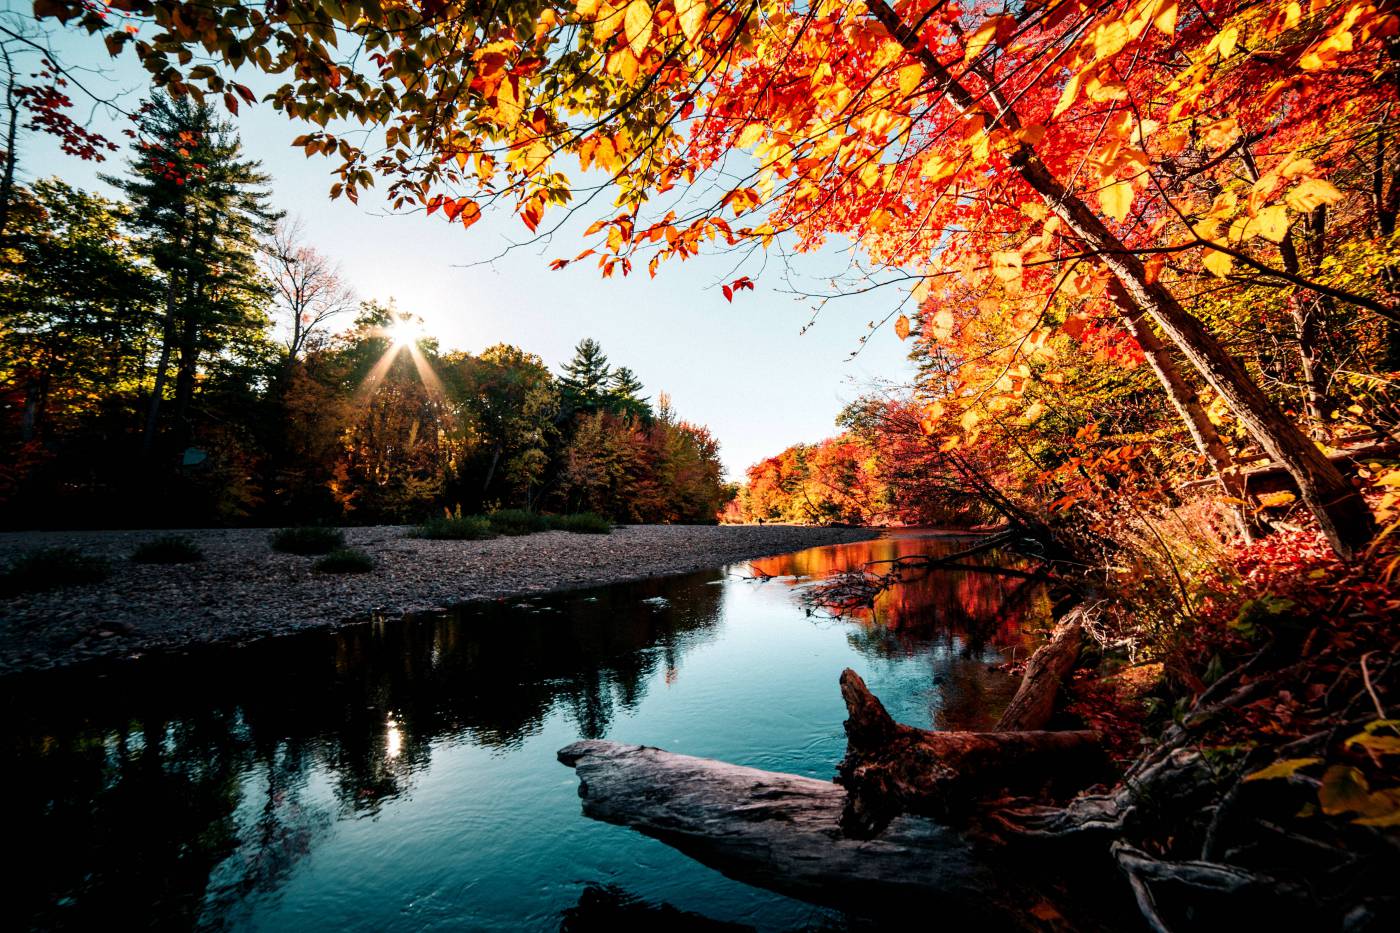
(393, 740)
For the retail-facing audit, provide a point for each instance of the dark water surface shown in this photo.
(401, 775)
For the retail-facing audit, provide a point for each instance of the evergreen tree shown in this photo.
(587, 380)
(201, 209)
(625, 395)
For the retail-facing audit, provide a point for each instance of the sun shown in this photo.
(404, 332)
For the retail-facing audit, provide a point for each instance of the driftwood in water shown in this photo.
(780, 831)
(1034, 702)
(890, 767)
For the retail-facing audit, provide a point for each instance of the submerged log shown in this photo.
(783, 832)
(891, 768)
(1034, 702)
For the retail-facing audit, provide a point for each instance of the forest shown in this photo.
(1143, 255)
(182, 356)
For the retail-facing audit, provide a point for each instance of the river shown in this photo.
(401, 774)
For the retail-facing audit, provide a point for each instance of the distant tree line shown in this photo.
(181, 356)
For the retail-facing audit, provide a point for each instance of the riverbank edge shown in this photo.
(244, 592)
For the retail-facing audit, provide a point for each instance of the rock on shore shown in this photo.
(243, 589)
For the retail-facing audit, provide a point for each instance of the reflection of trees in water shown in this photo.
(172, 790)
(961, 620)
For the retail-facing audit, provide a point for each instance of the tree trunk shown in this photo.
(1187, 403)
(187, 369)
(1034, 702)
(162, 367)
(36, 394)
(1340, 509)
(7, 180)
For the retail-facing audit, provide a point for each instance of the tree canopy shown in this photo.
(1049, 165)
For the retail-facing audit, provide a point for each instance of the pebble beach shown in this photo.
(244, 590)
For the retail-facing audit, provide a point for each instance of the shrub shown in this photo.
(168, 549)
(454, 526)
(51, 568)
(310, 540)
(586, 523)
(344, 560)
(517, 522)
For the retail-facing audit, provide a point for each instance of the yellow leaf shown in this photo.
(587, 8)
(910, 76)
(1116, 199)
(901, 327)
(692, 15)
(637, 24)
(605, 23)
(1218, 263)
(1220, 134)
(1165, 20)
(750, 135)
(1006, 265)
(1227, 40)
(1272, 223)
(969, 420)
(1312, 194)
(1068, 95)
(1031, 135)
(981, 39)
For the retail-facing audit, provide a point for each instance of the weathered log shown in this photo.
(1034, 702)
(891, 768)
(783, 832)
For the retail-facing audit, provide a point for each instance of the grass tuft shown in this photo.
(586, 523)
(51, 568)
(344, 560)
(455, 528)
(168, 549)
(309, 540)
(517, 522)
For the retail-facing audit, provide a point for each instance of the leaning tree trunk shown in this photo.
(1340, 509)
(1034, 702)
(1187, 402)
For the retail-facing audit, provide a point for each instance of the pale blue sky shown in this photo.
(741, 369)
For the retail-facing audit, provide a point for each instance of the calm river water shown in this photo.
(401, 775)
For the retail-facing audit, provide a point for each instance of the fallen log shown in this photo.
(783, 832)
(1034, 702)
(891, 768)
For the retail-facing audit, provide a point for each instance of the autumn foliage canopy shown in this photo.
(1019, 172)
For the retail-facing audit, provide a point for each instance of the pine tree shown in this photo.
(587, 380)
(201, 209)
(625, 395)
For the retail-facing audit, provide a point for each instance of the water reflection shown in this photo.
(964, 622)
(223, 789)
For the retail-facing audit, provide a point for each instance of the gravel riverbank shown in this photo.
(244, 590)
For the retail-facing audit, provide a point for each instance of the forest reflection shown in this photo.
(180, 789)
(953, 617)
(188, 774)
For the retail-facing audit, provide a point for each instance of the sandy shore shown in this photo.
(243, 589)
